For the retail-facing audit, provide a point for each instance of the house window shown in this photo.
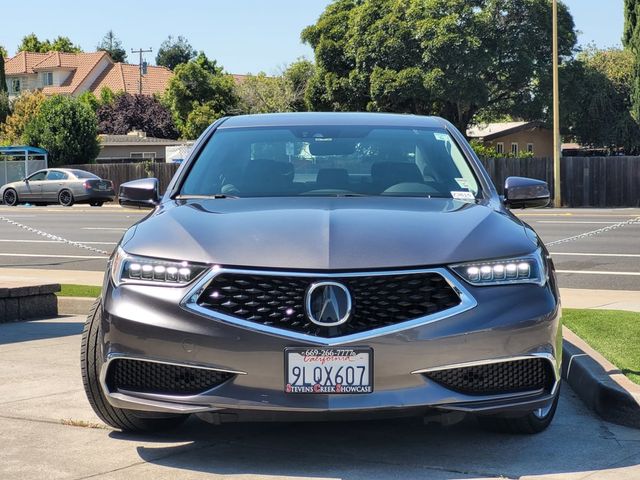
(15, 85)
(500, 148)
(514, 149)
(149, 155)
(47, 79)
(530, 147)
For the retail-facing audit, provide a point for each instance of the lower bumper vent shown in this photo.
(497, 378)
(162, 378)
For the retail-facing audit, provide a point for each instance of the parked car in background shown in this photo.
(327, 265)
(65, 186)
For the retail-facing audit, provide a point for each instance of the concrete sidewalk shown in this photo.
(48, 430)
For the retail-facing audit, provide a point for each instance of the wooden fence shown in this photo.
(586, 181)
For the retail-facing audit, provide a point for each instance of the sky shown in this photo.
(245, 36)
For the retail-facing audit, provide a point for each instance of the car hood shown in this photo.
(328, 233)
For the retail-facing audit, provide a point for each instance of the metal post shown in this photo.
(557, 141)
(140, 51)
(26, 163)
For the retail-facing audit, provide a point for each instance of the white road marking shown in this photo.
(38, 255)
(566, 222)
(572, 254)
(596, 272)
(105, 228)
(54, 241)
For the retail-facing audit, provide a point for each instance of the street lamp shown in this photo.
(557, 142)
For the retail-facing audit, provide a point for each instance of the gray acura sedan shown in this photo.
(327, 266)
(65, 186)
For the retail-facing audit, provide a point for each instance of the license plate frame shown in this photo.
(330, 357)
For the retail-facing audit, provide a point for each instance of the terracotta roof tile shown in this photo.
(23, 62)
(122, 77)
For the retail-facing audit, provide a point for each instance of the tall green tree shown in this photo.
(3, 78)
(113, 46)
(194, 87)
(31, 43)
(173, 52)
(596, 99)
(67, 129)
(24, 109)
(631, 41)
(453, 58)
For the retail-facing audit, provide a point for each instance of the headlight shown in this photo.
(127, 268)
(526, 269)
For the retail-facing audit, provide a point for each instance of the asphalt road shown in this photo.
(43, 407)
(606, 260)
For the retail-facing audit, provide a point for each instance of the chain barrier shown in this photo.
(53, 237)
(609, 228)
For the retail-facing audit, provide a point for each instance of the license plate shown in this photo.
(102, 187)
(328, 370)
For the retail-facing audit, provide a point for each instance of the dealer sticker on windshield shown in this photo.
(328, 370)
(463, 195)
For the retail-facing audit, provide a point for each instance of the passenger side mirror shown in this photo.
(143, 193)
(520, 192)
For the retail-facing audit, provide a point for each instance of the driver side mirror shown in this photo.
(143, 193)
(520, 192)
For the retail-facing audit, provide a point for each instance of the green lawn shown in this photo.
(615, 334)
(79, 291)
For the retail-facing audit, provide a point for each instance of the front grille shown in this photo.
(152, 377)
(378, 301)
(497, 378)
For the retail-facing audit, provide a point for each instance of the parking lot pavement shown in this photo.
(47, 430)
(606, 260)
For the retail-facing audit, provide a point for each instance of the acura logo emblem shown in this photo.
(328, 304)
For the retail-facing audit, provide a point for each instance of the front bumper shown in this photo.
(506, 323)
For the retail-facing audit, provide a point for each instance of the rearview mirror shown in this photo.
(520, 192)
(143, 193)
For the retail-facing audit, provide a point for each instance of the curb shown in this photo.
(599, 384)
(75, 305)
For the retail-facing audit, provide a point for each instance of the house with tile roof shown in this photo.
(76, 73)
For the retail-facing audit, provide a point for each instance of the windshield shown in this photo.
(331, 161)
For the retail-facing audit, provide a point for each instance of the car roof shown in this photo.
(332, 118)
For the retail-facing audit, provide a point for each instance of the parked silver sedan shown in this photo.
(65, 186)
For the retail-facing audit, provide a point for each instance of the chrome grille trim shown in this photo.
(467, 302)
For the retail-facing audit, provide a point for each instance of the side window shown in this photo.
(56, 175)
(15, 85)
(514, 149)
(38, 176)
(500, 148)
(530, 147)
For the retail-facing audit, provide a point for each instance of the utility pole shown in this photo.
(557, 141)
(141, 65)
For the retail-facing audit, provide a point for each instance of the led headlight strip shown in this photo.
(127, 268)
(526, 269)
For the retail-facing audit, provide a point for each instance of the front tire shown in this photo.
(534, 422)
(65, 198)
(91, 363)
(10, 197)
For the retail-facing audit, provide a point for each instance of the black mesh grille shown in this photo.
(506, 377)
(378, 301)
(151, 377)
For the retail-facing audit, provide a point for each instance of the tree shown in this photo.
(631, 41)
(67, 129)
(281, 93)
(596, 99)
(136, 112)
(113, 46)
(453, 58)
(3, 78)
(194, 85)
(31, 43)
(5, 107)
(25, 108)
(3, 52)
(174, 52)
(64, 44)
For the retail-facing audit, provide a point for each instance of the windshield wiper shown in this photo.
(214, 196)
